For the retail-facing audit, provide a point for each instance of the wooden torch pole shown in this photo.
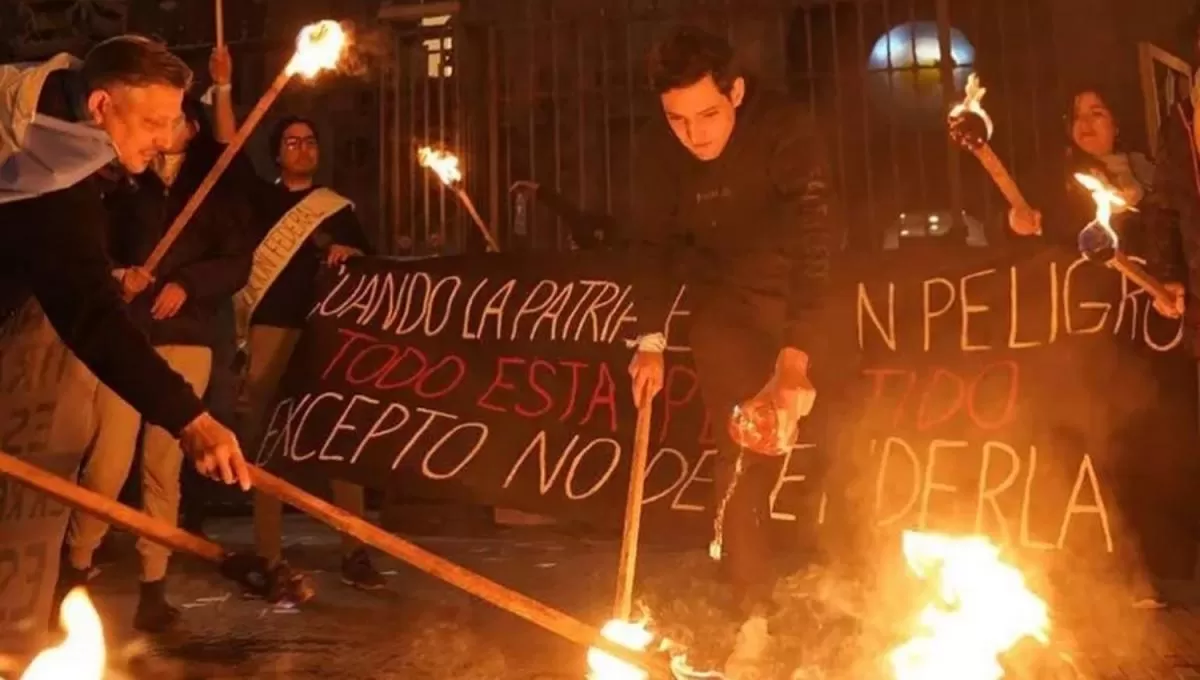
(627, 566)
(219, 11)
(109, 510)
(525, 607)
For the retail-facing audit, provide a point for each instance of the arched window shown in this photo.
(904, 67)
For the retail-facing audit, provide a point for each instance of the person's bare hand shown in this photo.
(135, 280)
(646, 370)
(220, 65)
(169, 301)
(215, 451)
(1025, 221)
(1174, 308)
(339, 254)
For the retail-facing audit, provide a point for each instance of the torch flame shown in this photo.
(971, 103)
(1107, 200)
(634, 635)
(318, 48)
(443, 163)
(984, 609)
(81, 656)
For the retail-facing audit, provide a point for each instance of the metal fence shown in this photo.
(554, 90)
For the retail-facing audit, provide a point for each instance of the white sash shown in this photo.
(279, 247)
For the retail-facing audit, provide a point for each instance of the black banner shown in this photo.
(1027, 394)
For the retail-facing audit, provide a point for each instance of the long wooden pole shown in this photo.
(627, 566)
(525, 607)
(218, 168)
(219, 11)
(109, 510)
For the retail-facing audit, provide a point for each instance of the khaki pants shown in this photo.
(117, 429)
(270, 349)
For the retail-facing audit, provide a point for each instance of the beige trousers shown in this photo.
(117, 428)
(270, 349)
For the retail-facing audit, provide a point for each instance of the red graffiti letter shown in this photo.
(546, 399)
(959, 387)
(1008, 405)
(422, 363)
(499, 383)
(683, 375)
(605, 393)
(350, 336)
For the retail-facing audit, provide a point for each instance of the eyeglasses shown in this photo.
(294, 143)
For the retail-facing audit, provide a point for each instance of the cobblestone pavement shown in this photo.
(421, 629)
(417, 628)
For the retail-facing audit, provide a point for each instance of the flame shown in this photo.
(443, 163)
(319, 47)
(984, 608)
(971, 103)
(81, 656)
(633, 635)
(1107, 199)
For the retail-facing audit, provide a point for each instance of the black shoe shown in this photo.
(358, 571)
(154, 614)
(69, 578)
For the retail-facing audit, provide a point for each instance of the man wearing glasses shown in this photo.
(302, 227)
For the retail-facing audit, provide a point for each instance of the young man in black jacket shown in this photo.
(208, 263)
(733, 192)
(131, 88)
(279, 310)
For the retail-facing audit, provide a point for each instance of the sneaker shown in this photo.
(69, 578)
(357, 571)
(154, 614)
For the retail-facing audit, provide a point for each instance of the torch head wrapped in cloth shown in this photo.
(970, 125)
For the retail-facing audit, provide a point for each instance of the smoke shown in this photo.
(367, 50)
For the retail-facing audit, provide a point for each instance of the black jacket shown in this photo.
(54, 249)
(211, 258)
(750, 229)
(1173, 223)
(288, 301)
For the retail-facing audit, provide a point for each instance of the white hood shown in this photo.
(38, 153)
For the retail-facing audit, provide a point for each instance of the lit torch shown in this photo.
(972, 128)
(319, 47)
(445, 166)
(1099, 242)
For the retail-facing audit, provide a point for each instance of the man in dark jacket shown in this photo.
(1173, 221)
(737, 199)
(276, 303)
(131, 88)
(208, 263)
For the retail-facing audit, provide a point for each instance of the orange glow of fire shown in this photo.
(442, 163)
(972, 103)
(983, 608)
(633, 635)
(319, 47)
(1107, 201)
(82, 655)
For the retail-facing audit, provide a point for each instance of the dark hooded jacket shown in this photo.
(54, 249)
(1173, 222)
(211, 258)
(750, 232)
